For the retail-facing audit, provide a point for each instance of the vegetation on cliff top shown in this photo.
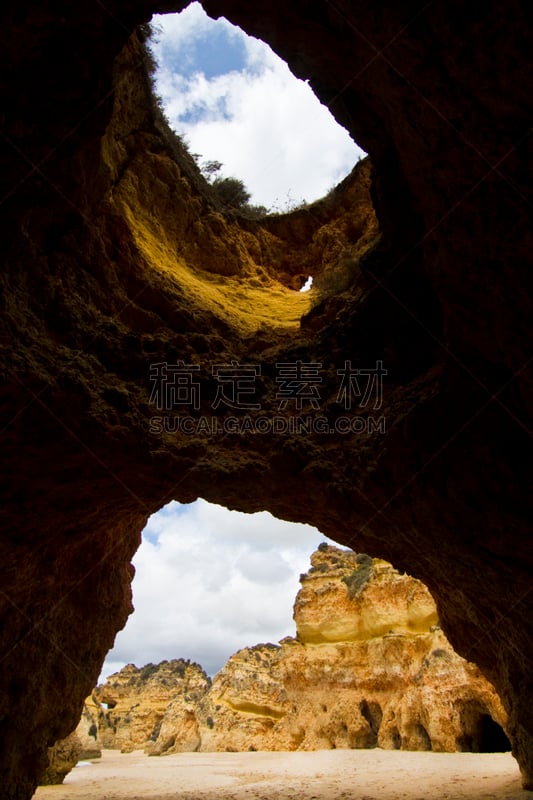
(228, 193)
(359, 578)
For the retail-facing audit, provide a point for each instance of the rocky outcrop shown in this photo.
(139, 706)
(114, 258)
(369, 667)
(369, 642)
(246, 703)
(80, 745)
(62, 758)
(87, 731)
(349, 597)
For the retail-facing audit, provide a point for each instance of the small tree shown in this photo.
(231, 192)
(210, 168)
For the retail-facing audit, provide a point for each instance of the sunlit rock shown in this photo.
(135, 702)
(369, 667)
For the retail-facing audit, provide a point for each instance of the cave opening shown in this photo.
(218, 594)
(424, 740)
(373, 714)
(245, 259)
(245, 117)
(482, 734)
(210, 581)
(493, 738)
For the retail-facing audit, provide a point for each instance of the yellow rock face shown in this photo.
(348, 598)
(87, 731)
(62, 757)
(369, 667)
(133, 703)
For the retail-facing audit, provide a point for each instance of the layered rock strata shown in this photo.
(139, 706)
(115, 258)
(369, 667)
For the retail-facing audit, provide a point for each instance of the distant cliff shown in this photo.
(137, 705)
(369, 667)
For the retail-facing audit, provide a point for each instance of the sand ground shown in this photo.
(322, 775)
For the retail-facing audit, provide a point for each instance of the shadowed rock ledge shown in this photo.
(114, 259)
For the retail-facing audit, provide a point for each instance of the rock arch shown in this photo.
(113, 259)
(482, 733)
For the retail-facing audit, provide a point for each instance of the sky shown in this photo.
(236, 102)
(210, 581)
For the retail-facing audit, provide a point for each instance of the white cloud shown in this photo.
(176, 33)
(264, 125)
(210, 581)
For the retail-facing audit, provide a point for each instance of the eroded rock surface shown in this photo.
(378, 668)
(62, 758)
(369, 667)
(87, 731)
(138, 706)
(114, 258)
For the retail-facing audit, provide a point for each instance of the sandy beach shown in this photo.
(323, 775)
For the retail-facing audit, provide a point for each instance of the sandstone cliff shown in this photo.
(81, 744)
(87, 730)
(369, 667)
(137, 706)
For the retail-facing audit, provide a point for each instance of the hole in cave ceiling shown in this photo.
(209, 582)
(236, 103)
(308, 284)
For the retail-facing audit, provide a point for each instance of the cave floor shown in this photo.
(323, 775)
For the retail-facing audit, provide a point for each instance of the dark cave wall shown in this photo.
(441, 99)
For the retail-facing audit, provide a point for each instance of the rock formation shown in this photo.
(369, 667)
(80, 745)
(380, 669)
(87, 731)
(114, 258)
(142, 704)
(62, 757)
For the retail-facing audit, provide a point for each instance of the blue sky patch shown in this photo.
(222, 90)
(200, 112)
(214, 53)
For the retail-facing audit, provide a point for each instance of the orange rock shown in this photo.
(369, 667)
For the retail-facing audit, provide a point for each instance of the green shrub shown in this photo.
(231, 192)
(147, 671)
(358, 579)
(181, 669)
